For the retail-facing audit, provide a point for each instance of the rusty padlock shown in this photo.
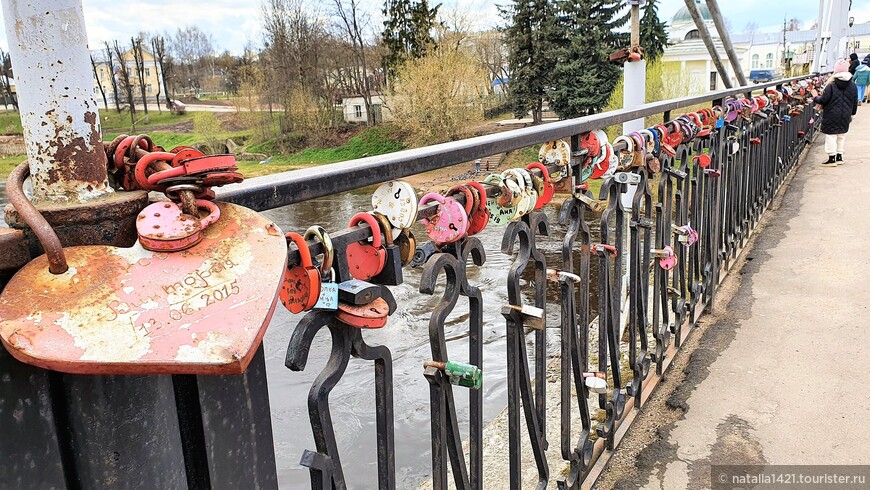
(366, 260)
(391, 274)
(407, 244)
(479, 217)
(371, 315)
(449, 223)
(468, 203)
(163, 227)
(300, 287)
(686, 234)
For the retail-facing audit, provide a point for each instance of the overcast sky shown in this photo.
(233, 23)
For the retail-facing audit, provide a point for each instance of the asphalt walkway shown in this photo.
(781, 378)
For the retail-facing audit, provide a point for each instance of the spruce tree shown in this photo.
(653, 32)
(584, 76)
(533, 35)
(407, 31)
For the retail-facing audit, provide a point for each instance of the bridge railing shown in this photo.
(200, 431)
(749, 160)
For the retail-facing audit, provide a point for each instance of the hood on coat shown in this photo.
(843, 76)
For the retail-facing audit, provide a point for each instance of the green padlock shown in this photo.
(461, 374)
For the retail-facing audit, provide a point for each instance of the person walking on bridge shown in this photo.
(862, 79)
(839, 103)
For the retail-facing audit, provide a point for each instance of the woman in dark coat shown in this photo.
(839, 103)
(853, 63)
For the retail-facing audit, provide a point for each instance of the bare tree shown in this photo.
(161, 59)
(793, 24)
(194, 50)
(351, 26)
(99, 83)
(6, 74)
(115, 94)
(751, 29)
(125, 76)
(489, 48)
(140, 70)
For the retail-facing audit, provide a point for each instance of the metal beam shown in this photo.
(708, 41)
(48, 46)
(713, 6)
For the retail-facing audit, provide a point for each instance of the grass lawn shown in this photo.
(7, 163)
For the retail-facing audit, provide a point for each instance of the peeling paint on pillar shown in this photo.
(49, 51)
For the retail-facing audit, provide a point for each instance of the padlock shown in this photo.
(449, 223)
(163, 227)
(468, 201)
(459, 373)
(203, 310)
(328, 299)
(366, 260)
(533, 317)
(356, 292)
(407, 244)
(479, 217)
(371, 315)
(599, 168)
(685, 234)
(391, 275)
(542, 184)
(596, 382)
(557, 152)
(300, 286)
(667, 258)
(528, 195)
(713, 173)
(398, 202)
(499, 215)
(195, 166)
(703, 160)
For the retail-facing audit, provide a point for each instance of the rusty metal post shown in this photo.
(48, 46)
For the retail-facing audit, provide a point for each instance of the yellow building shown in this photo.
(106, 70)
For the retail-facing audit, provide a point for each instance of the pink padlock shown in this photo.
(669, 262)
(449, 223)
(163, 227)
(688, 235)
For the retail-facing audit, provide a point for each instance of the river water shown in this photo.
(406, 334)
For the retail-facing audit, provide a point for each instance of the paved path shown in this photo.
(782, 377)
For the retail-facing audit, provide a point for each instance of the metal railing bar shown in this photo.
(271, 191)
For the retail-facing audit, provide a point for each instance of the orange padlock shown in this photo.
(366, 260)
(300, 287)
(371, 315)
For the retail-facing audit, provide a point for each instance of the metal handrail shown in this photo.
(281, 189)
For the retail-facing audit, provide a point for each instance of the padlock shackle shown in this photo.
(545, 174)
(469, 198)
(304, 253)
(321, 235)
(385, 226)
(143, 165)
(214, 213)
(481, 191)
(373, 224)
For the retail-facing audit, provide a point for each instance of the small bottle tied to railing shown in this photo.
(458, 373)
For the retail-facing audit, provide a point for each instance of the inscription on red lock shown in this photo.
(203, 310)
(300, 286)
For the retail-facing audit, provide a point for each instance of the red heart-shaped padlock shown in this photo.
(202, 310)
(366, 260)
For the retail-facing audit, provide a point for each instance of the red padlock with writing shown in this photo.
(300, 287)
